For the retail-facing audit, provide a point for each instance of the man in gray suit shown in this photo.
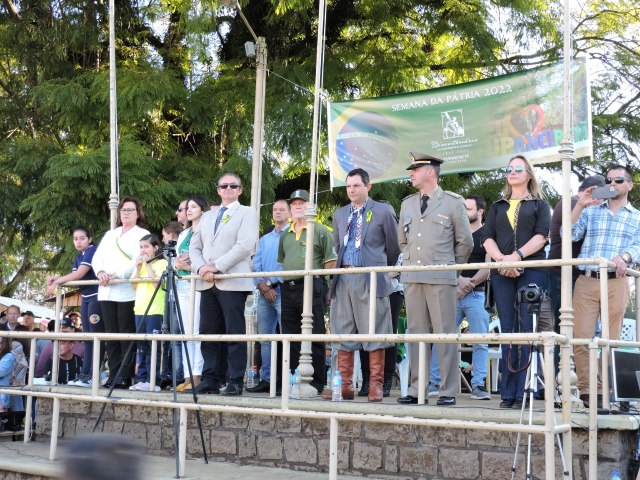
(224, 242)
(434, 230)
(365, 234)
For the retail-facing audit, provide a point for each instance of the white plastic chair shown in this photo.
(495, 354)
(628, 332)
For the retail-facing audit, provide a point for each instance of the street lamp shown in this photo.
(259, 51)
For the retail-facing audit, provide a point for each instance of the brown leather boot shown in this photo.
(376, 376)
(345, 365)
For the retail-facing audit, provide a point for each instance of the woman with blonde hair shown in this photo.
(516, 228)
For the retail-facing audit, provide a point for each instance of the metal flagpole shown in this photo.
(567, 153)
(113, 118)
(306, 367)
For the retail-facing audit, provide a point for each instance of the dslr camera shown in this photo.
(170, 248)
(532, 293)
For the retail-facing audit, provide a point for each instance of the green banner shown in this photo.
(472, 126)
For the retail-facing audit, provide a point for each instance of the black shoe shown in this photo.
(205, 386)
(166, 383)
(109, 382)
(261, 387)
(386, 388)
(507, 403)
(410, 400)
(446, 401)
(364, 390)
(318, 387)
(123, 383)
(585, 400)
(624, 407)
(233, 389)
(519, 401)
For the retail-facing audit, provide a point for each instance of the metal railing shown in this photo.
(550, 428)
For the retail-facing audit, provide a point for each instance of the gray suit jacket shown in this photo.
(379, 244)
(230, 248)
(439, 236)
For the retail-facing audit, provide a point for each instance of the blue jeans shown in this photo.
(268, 317)
(471, 307)
(514, 357)
(153, 324)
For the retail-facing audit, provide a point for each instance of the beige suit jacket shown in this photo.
(230, 247)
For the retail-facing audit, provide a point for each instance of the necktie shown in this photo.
(220, 214)
(424, 201)
(359, 227)
(354, 225)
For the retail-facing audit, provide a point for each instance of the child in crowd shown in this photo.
(90, 313)
(171, 232)
(148, 266)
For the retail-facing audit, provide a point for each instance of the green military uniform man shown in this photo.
(291, 253)
(434, 230)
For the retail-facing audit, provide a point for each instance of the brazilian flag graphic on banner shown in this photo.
(472, 126)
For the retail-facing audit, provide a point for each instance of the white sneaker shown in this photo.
(140, 386)
(84, 381)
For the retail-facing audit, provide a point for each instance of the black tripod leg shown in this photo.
(180, 325)
(127, 355)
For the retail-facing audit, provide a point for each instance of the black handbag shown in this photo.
(489, 301)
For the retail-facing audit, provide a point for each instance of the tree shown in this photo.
(186, 93)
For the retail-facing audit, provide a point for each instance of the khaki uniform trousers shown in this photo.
(432, 307)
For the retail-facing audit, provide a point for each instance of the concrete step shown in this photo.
(32, 460)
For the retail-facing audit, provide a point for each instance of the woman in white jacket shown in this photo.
(115, 258)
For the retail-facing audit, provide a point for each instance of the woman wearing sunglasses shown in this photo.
(516, 228)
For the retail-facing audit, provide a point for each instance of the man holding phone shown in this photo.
(555, 252)
(610, 230)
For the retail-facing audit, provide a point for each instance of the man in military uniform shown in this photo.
(434, 230)
(291, 255)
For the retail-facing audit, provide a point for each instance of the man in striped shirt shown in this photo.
(610, 230)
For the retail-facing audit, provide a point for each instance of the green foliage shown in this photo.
(186, 99)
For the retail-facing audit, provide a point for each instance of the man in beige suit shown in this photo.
(224, 242)
(434, 230)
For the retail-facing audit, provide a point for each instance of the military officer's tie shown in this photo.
(424, 201)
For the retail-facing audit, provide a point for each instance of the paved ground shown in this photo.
(33, 458)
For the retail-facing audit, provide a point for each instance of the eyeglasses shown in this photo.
(128, 210)
(232, 186)
(514, 169)
(618, 180)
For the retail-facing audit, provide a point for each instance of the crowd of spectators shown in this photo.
(435, 227)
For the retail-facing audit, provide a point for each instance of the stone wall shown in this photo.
(373, 450)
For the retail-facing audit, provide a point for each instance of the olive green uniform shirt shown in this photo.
(293, 246)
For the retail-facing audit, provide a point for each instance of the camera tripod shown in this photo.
(530, 387)
(171, 322)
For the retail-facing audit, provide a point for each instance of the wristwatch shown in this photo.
(269, 284)
(626, 257)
